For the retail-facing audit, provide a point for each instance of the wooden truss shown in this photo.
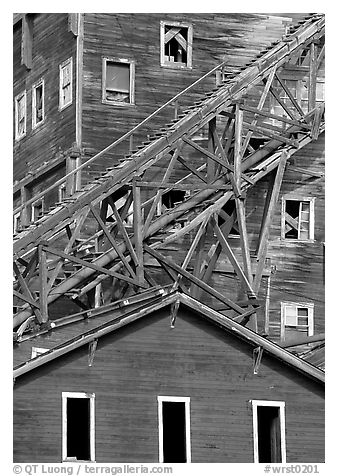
(117, 229)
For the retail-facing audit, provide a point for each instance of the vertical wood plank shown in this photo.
(43, 274)
(211, 165)
(313, 76)
(27, 41)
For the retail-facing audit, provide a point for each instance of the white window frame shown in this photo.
(22, 95)
(186, 401)
(41, 202)
(38, 351)
(310, 326)
(173, 64)
(62, 67)
(311, 201)
(268, 403)
(131, 63)
(16, 222)
(35, 124)
(91, 397)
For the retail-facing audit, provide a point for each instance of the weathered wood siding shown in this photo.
(148, 358)
(52, 45)
(236, 38)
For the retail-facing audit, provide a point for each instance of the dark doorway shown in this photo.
(78, 428)
(269, 435)
(174, 432)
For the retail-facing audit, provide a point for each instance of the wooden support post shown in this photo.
(26, 291)
(131, 143)
(73, 23)
(138, 230)
(313, 75)
(257, 357)
(211, 148)
(237, 148)
(263, 245)
(43, 274)
(267, 307)
(27, 41)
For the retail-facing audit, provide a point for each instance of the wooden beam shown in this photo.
(266, 132)
(313, 75)
(138, 231)
(27, 41)
(281, 103)
(290, 96)
(26, 291)
(193, 279)
(232, 258)
(259, 108)
(275, 116)
(220, 149)
(43, 277)
(211, 148)
(263, 244)
(192, 169)
(159, 193)
(112, 241)
(214, 157)
(24, 298)
(243, 237)
(191, 250)
(238, 147)
(91, 265)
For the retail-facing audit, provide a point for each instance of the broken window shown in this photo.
(38, 112)
(296, 318)
(118, 81)
(66, 84)
(16, 222)
(298, 219)
(174, 429)
(20, 115)
(176, 44)
(78, 426)
(269, 431)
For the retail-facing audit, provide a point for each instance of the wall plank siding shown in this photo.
(146, 359)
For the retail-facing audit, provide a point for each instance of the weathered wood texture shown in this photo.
(148, 358)
(52, 44)
(236, 38)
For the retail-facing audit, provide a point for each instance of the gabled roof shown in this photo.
(164, 300)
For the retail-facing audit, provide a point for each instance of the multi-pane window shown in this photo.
(66, 83)
(118, 81)
(20, 115)
(269, 431)
(296, 318)
(176, 44)
(174, 429)
(38, 104)
(78, 426)
(297, 219)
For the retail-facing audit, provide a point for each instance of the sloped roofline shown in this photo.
(205, 311)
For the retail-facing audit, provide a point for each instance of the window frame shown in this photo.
(17, 98)
(310, 325)
(311, 201)
(35, 124)
(41, 202)
(62, 66)
(16, 222)
(113, 59)
(173, 64)
(91, 397)
(268, 403)
(186, 401)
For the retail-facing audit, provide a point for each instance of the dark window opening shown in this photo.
(230, 208)
(78, 428)
(269, 435)
(38, 104)
(297, 219)
(174, 432)
(118, 82)
(171, 198)
(175, 48)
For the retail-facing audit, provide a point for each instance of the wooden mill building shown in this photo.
(168, 218)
